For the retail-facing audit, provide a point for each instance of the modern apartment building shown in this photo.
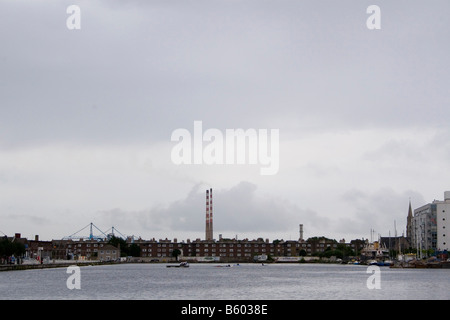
(443, 222)
(429, 226)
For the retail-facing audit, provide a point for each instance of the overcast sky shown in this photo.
(86, 115)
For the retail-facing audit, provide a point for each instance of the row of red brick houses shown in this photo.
(235, 250)
(66, 249)
(163, 250)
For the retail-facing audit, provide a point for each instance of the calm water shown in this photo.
(207, 282)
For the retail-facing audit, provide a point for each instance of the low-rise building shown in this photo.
(38, 249)
(244, 250)
(108, 253)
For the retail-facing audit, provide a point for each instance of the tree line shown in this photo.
(9, 249)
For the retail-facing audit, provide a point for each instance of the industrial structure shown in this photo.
(209, 215)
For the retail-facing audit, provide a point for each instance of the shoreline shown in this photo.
(18, 267)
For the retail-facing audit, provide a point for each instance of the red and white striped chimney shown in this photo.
(209, 216)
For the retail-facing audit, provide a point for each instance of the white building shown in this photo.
(430, 225)
(443, 222)
(424, 228)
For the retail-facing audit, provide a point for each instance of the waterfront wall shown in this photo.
(13, 267)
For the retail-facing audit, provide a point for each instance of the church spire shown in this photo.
(409, 223)
(410, 210)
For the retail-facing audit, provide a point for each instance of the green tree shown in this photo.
(176, 253)
(8, 248)
(119, 243)
(134, 250)
(18, 249)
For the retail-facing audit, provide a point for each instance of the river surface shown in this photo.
(212, 282)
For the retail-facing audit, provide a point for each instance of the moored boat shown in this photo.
(181, 265)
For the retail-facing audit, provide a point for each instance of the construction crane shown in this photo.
(91, 227)
(112, 234)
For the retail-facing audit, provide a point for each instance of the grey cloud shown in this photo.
(396, 151)
(238, 209)
(378, 210)
(34, 220)
(137, 71)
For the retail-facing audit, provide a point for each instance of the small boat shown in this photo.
(385, 263)
(181, 265)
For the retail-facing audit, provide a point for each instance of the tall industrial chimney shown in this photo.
(209, 216)
(301, 232)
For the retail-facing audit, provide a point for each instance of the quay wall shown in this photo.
(13, 267)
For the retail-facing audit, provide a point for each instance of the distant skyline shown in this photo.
(86, 115)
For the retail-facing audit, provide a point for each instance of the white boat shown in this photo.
(375, 254)
(181, 265)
